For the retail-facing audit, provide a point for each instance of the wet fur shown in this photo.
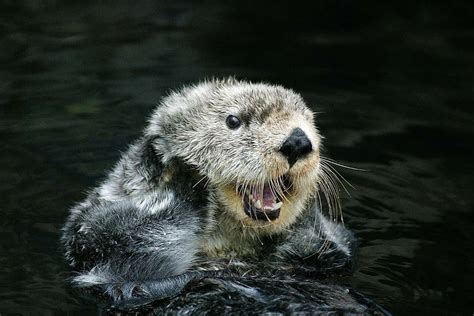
(160, 220)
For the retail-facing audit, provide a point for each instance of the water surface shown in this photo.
(394, 89)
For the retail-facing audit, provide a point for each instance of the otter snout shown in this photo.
(296, 146)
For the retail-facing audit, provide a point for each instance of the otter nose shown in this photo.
(296, 146)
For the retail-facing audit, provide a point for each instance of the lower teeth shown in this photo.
(258, 203)
(275, 206)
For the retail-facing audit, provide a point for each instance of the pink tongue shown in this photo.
(268, 197)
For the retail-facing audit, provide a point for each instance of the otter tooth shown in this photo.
(258, 204)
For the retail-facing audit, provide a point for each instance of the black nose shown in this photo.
(296, 146)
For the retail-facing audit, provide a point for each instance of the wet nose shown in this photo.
(296, 146)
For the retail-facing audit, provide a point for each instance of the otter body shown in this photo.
(224, 179)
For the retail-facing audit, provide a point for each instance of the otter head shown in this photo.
(255, 145)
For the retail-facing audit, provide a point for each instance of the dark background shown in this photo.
(394, 83)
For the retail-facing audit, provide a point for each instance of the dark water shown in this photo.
(394, 85)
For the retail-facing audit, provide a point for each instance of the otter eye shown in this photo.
(232, 122)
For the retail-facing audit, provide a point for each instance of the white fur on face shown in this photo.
(192, 125)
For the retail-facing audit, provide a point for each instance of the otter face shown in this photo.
(255, 145)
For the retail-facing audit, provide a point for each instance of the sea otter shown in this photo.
(225, 178)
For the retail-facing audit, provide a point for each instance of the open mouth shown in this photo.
(263, 202)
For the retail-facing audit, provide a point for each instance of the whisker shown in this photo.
(332, 161)
(273, 188)
(338, 176)
(282, 185)
(200, 180)
(331, 195)
(279, 188)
